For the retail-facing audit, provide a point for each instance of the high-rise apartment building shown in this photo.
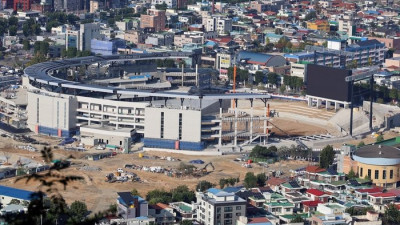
(67, 5)
(81, 39)
(22, 5)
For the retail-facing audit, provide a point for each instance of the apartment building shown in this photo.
(220, 24)
(180, 40)
(130, 206)
(321, 25)
(135, 37)
(219, 207)
(81, 39)
(155, 19)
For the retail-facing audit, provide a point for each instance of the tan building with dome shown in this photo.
(379, 163)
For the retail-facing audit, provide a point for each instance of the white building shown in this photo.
(8, 193)
(220, 24)
(219, 207)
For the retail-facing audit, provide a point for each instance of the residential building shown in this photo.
(135, 36)
(155, 19)
(224, 60)
(22, 5)
(95, 5)
(321, 25)
(163, 214)
(280, 207)
(129, 206)
(219, 207)
(81, 39)
(67, 5)
(180, 40)
(222, 25)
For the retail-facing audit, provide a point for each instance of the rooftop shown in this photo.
(16, 193)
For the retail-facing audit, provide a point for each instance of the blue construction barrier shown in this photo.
(170, 144)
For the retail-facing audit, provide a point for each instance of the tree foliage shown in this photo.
(204, 185)
(250, 180)
(380, 138)
(263, 152)
(272, 78)
(261, 179)
(391, 215)
(179, 194)
(297, 219)
(327, 157)
(241, 75)
(358, 211)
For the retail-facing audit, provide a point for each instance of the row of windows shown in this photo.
(376, 174)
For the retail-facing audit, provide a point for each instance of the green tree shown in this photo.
(282, 89)
(186, 222)
(351, 174)
(13, 30)
(391, 215)
(204, 185)
(297, 219)
(393, 94)
(222, 183)
(272, 78)
(259, 77)
(250, 180)
(327, 157)
(13, 21)
(183, 194)
(26, 44)
(162, 6)
(78, 211)
(135, 192)
(380, 138)
(158, 195)
(360, 144)
(26, 29)
(358, 211)
(15, 201)
(261, 179)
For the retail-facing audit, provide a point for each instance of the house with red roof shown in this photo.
(317, 195)
(381, 198)
(275, 183)
(310, 206)
(163, 214)
(254, 221)
(362, 194)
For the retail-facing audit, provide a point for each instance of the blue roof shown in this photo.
(16, 193)
(252, 56)
(232, 189)
(214, 190)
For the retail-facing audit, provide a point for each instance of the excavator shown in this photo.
(203, 171)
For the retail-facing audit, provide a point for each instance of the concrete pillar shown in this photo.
(327, 104)
(309, 99)
(236, 125)
(319, 102)
(336, 106)
(251, 121)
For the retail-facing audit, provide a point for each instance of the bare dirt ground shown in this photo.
(292, 126)
(98, 194)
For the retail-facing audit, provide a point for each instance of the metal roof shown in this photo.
(16, 193)
(40, 73)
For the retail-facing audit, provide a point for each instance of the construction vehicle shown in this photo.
(204, 169)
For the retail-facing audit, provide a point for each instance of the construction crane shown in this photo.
(204, 169)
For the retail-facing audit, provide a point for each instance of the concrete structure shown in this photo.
(220, 24)
(24, 5)
(389, 42)
(364, 53)
(380, 163)
(180, 40)
(299, 70)
(106, 46)
(95, 5)
(219, 207)
(223, 62)
(81, 39)
(116, 115)
(155, 19)
(163, 214)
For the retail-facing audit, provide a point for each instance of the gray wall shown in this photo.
(191, 124)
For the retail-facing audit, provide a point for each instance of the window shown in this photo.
(238, 214)
(288, 209)
(376, 174)
(369, 173)
(162, 125)
(227, 209)
(384, 174)
(361, 172)
(238, 207)
(391, 174)
(228, 215)
(180, 126)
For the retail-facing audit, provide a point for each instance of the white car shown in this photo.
(120, 170)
